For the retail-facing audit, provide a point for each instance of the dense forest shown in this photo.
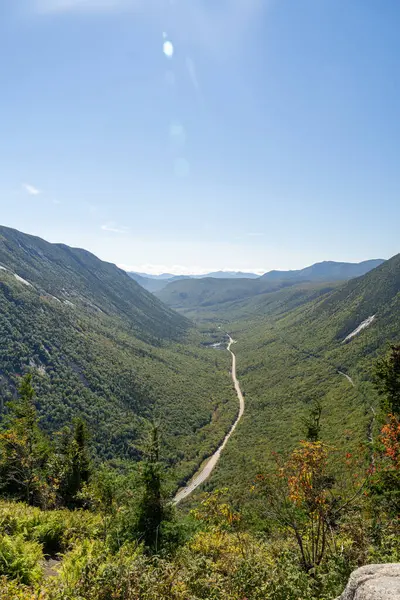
(110, 401)
(69, 531)
(111, 354)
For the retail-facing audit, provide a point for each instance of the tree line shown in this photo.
(53, 472)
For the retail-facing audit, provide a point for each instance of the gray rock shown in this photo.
(374, 582)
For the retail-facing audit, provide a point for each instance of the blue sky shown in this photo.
(190, 135)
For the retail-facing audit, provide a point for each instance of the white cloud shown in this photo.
(114, 228)
(31, 189)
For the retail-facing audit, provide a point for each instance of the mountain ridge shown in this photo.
(191, 294)
(323, 271)
(77, 276)
(100, 346)
(327, 270)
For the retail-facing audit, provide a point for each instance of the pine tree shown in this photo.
(387, 380)
(152, 507)
(23, 448)
(312, 423)
(76, 462)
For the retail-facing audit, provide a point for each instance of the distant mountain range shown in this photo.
(216, 274)
(327, 271)
(155, 283)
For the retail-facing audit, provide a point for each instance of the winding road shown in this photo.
(206, 470)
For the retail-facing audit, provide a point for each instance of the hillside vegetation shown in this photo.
(116, 400)
(289, 359)
(326, 271)
(249, 295)
(101, 347)
(155, 283)
(317, 513)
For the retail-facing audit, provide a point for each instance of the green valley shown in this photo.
(117, 401)
(101, 347)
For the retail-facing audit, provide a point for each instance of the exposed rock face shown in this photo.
(374, 582)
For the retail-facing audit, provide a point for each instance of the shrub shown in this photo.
(20, 559)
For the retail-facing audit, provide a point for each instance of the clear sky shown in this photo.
(193, 135)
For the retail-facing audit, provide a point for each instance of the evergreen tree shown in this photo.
(76, 462)
(387, 380)
(152, 506)
(312, 423)
(385, 484)
(23, 448)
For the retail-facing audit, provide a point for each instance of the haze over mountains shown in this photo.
(323, 271)
(187, 294)
(326, 271)
(154, 283)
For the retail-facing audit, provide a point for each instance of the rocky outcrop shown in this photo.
(374, 582)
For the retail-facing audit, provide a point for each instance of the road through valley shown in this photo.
(206, 470)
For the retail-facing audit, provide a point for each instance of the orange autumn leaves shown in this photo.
(305, 473)
(390, 439)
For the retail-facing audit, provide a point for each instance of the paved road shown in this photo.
(209, 466)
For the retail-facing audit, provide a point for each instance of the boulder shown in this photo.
(374, 582)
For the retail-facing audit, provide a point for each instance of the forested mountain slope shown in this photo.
(77, 276)
(199, 294)
(291, 358)
(102, 347)
(209, 292)
(326, 271)
(156, 283)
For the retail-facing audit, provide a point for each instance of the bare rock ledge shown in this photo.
(374, 582)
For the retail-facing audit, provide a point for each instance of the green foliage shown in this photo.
(312, 422)
(288, 360)
(34, 468)
(302, 495)
(152, 507)
(102, 348)
(387, 379)
(220, 560)
(231, 299)
(24, 450)
(121, 360)
(65, 275)
(55, 530)
(20, 559)
(75, 463)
